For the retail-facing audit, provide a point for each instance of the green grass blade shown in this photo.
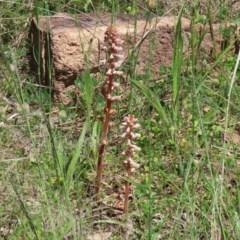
(153, 100)
(220, 57)
(88, 91)
(177, 57)
(75, 159)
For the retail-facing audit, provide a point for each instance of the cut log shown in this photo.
(63, 46)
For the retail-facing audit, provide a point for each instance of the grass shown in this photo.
(188, 184)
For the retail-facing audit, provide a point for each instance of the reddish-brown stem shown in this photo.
(104, 137)
(101, 151)
(99, 169)
(127, 186)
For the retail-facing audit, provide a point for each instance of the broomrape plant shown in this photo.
(114, 61)
(128, 125)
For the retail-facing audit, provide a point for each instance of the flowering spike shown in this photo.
(128, 125)
(114, 61)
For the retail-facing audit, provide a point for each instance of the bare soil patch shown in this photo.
(63, 46)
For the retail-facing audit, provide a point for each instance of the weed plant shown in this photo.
(187, 184)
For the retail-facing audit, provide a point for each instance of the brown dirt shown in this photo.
(76, 44)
